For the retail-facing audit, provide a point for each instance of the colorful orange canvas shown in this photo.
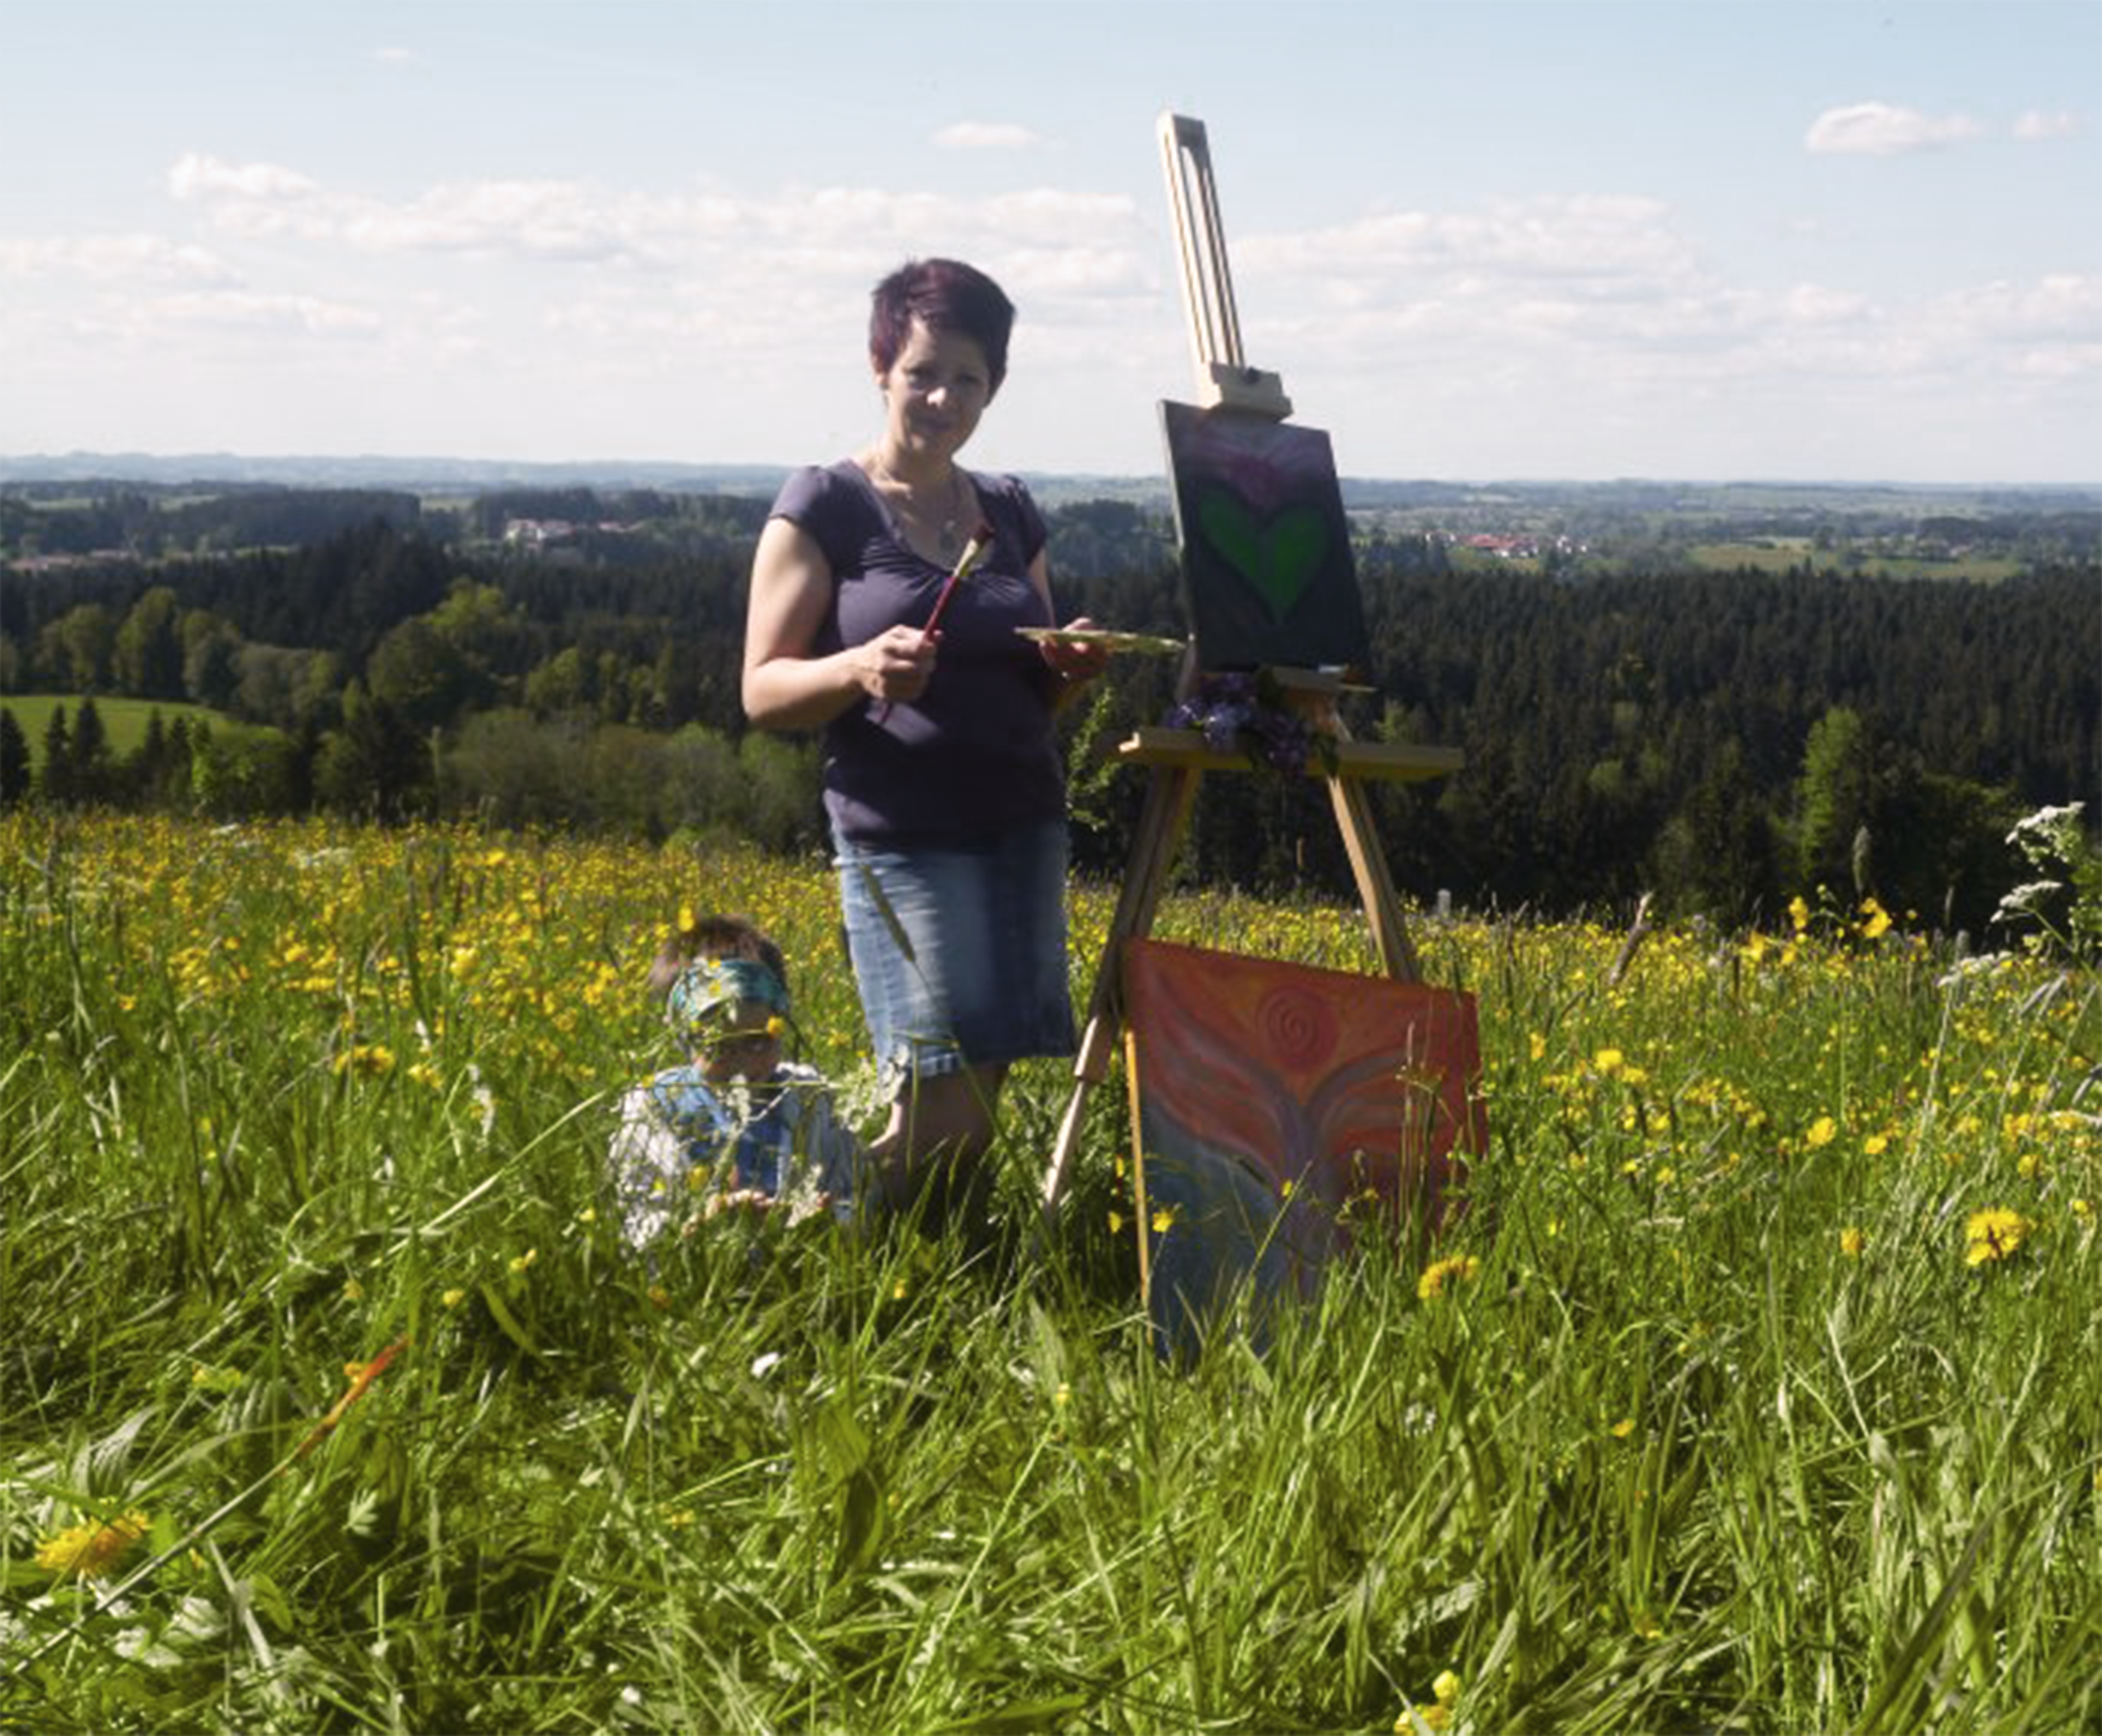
(1282, 1109)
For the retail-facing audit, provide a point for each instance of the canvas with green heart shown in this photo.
(1268, 577)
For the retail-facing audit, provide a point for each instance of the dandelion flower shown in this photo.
(1460, 1268)
(90, 1551)
(366, 1060)
(1822, 1132)
(1438, 1715)
(1993, 1235)
(1851, 1241)
(1609, 1061)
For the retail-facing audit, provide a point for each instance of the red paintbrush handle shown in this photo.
(974, 551)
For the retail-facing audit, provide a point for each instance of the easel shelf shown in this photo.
(1394, 762)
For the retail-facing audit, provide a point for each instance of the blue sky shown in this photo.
(1799, 239)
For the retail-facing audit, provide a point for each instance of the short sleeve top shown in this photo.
(978, 752)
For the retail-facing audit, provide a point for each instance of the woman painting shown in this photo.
(943, 781)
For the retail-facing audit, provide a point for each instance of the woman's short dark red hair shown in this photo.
(944, 295)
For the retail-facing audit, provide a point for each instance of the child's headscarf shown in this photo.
(708, 984)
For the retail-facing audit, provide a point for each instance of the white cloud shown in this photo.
(1884, 130)
(2036, 125)
(197, 176)
(243, 311)
(986, 135)
(112, 259)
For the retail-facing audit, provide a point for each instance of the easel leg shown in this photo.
(1169, 797)
(1354, 815)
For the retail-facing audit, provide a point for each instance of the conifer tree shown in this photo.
(14, 762)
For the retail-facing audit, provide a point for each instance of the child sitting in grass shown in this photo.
(736, 1126)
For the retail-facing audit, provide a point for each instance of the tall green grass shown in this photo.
(1726, 1430)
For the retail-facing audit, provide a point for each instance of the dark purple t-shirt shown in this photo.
(977, 754)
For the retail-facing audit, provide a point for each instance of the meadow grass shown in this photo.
(124, 722)
(1732, 1413)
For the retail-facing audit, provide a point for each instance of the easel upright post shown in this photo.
(1223, 374)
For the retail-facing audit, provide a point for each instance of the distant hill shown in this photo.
(437, 476)
(427, 475)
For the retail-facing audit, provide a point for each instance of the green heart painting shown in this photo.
(1279, 556)
(1267, 575)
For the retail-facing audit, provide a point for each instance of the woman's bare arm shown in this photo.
(785, 686)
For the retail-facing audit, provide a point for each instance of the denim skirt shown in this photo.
(960, 952)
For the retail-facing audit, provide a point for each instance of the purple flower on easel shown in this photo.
(1243, 713)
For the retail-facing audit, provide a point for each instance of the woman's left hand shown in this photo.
(1075, 663)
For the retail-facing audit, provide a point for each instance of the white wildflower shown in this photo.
(2046, 820)
(2023, 900)
(1974, 970)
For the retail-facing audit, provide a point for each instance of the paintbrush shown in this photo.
(974, 551)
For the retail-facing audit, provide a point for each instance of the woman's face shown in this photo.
(934, 392)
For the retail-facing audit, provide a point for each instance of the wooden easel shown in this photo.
(1178, 759)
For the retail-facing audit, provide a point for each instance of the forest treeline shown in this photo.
(1725, 740)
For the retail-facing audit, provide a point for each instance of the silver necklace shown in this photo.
(948, 540)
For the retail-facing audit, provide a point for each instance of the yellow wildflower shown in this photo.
(1460, 1268)
(1993, 1235)
(1163, 1220)
(1822, 1132)
(90, 1551)
(367, 1060)
(453, 1299)
(1608, 1061)
(1438, 1715)
(1798, 912)
(1851, 1241)
(1877, 920)
(1876, 1144)
(521, 1263)
(1622, 1429)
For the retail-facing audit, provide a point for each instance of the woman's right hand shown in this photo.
(896, 665)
